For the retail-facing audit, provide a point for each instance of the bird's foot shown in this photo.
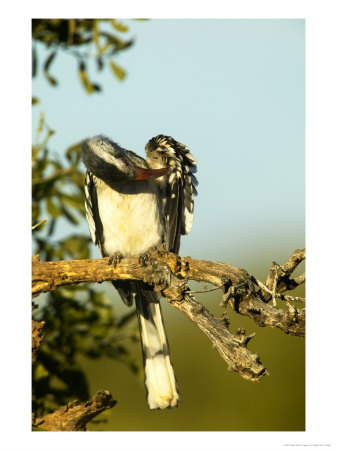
(147, 258)
(115, 259)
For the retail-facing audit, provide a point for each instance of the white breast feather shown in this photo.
(131, 223)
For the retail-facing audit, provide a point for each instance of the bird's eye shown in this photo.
(122, 161)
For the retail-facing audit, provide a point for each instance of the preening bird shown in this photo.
(133, 206)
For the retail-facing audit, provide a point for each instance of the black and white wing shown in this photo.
(91, 210)
(178, 186)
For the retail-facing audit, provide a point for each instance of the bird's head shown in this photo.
(113, 164)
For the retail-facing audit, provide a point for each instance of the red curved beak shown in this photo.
(144, 174)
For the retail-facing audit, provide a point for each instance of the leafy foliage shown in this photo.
(57, 189)
(86, 40)
(75, 326)
(80, 320)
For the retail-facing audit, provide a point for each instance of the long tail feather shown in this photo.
(160, 381)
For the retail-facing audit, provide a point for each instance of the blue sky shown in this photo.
(233, 92)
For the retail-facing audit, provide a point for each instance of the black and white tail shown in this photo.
(160, 382)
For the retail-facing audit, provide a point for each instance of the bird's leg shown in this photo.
(115, 259)
(162, 249)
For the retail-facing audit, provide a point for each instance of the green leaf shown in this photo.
(117, 70)
(40, 372)
(119, 26)
(53, 81)
(41, 124)
(84, 78)
(52, 209)
(35, 101)
(116, 43)
(46, 67)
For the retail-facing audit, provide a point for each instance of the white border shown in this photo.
(321, 39)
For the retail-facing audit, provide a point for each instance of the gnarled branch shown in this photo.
(168, 274)
(285, 283)
(75, 418)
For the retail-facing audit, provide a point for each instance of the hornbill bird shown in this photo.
(133, 206)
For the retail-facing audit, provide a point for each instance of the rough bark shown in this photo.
(75, 418)
(168, 273)
(285, 283)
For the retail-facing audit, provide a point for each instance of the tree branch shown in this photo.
(75, 418)
(167, 273)
(283, 273)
